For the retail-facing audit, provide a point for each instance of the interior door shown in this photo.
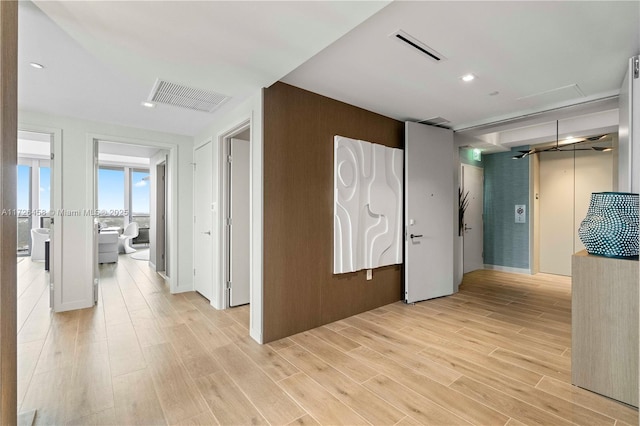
(240, 223)
(54, 224)
(429, 212)
(96, 269)
(160, 217)
(472, 183)
(203, 244)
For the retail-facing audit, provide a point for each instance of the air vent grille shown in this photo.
(437, 121)
(168, 93)
(409, 40)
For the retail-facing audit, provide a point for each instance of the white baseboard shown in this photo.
(508, 269)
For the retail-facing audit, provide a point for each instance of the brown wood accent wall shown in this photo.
(8, 161)
(300, 290)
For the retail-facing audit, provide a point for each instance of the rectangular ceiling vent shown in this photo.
(437, 121)
(167, 93)
(418, 45)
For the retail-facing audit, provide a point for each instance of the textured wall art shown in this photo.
(368, 190)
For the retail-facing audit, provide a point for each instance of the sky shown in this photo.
(23, 187)
(24, 179)
(111, 191)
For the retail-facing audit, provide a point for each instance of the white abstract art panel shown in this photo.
(368, 188)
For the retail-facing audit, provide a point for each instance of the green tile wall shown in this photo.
(506, 183)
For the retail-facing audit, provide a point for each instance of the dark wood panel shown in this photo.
(8, 161)
(300, 290)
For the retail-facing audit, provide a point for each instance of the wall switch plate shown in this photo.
(369, 274)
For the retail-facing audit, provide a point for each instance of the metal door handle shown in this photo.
(466, 228)
(416, 235)
(208, 232)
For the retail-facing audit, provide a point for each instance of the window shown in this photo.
(120, 190)
(111, 199)
(140, 203)
(140, 192)
(110, 189)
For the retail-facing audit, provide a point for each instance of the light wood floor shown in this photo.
(496, 353)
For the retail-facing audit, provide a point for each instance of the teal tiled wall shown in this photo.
(506, 183)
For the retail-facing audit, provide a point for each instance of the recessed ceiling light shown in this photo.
(148, 104)
(36, 65)
(468, 77)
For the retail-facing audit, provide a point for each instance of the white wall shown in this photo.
(250, 110)
(77, 194)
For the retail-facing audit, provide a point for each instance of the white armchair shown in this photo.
(38, 237)
(130, 232)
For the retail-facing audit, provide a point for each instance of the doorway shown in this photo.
(472, 228)
(237, 196)
(39, 227)
(132, 199)
(158, 251)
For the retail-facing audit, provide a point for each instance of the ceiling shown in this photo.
(102, 58)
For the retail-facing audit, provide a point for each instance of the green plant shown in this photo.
(463, 203)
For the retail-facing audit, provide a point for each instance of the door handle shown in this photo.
(416, 235)
(466, 228)
(208, 232)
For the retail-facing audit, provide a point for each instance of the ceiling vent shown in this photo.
(418, 45)
(437, 121)
(167, 93)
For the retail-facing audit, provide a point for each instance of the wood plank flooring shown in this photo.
(496, 353)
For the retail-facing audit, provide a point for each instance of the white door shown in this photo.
(203, 198)
(240, 223)
(472, 183)
(429, 212)
(629, 129)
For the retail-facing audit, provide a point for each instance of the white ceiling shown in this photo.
(102, 58)
(532, 53)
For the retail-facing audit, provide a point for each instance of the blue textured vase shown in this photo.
(611, 226)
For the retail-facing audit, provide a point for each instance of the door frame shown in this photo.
(250, 117)
(55, 274)
(8, 224)
(462, 175)
(225, 182)
(161, 208)
(171, 177)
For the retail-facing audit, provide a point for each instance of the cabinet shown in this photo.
(107, 247)
(604, 326)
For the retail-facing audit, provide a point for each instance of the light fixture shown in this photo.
(36, 65)
(468, 77)
(569, 141)
(148, 104)
(476, 154)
